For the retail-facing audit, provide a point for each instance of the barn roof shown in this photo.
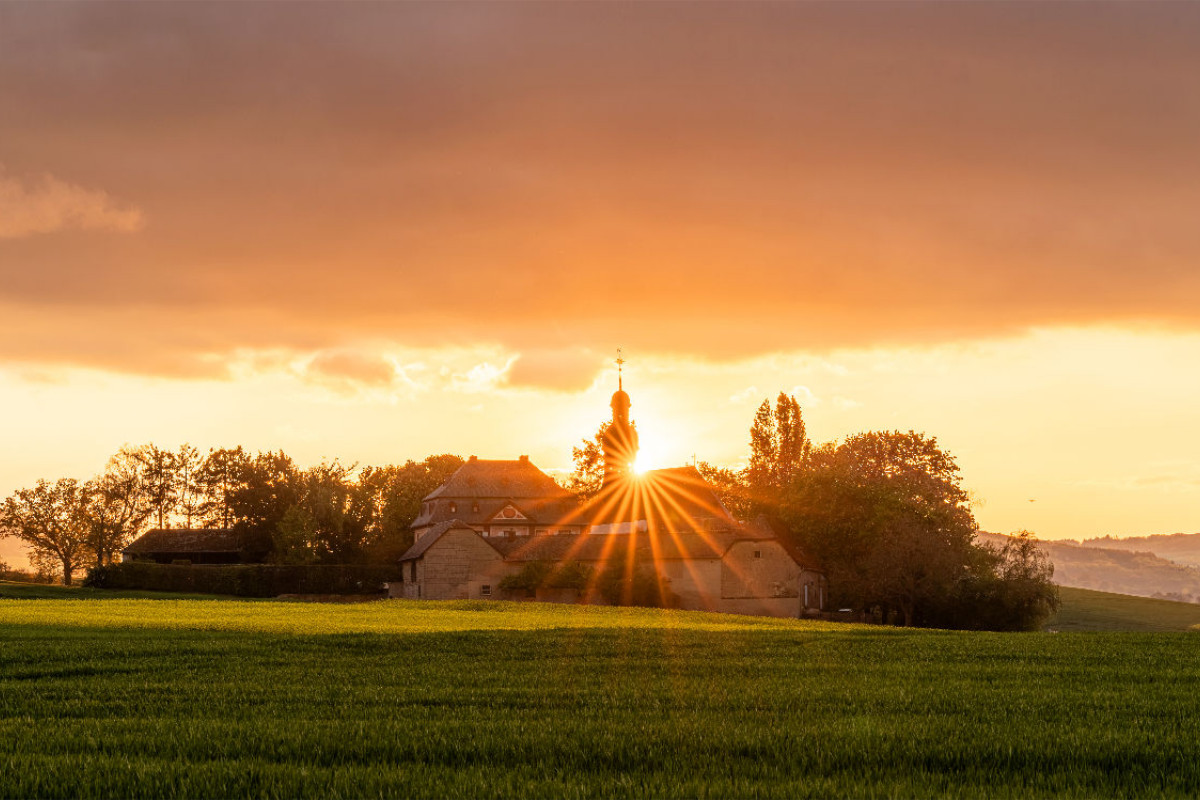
(188, 540)
(432, 535)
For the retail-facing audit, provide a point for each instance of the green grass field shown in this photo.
(198, 698)
(1086, 610)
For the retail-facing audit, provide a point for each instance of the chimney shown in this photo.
(524, 459)
(473, 458)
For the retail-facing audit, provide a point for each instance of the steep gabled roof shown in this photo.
(480, 478)
(433, 534)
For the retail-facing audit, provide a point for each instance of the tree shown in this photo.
(588, 476)
(391, 497)
(51, 519)
(188, 489)
(1018, 593)
(779, 451)
(324, 523)
(730, 487)
(160, 484)
(114, 512)
(763, 452)
(265, 487)
(217, 478)
(887, 516)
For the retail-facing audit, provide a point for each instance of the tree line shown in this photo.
(886, 515)
(330, 513)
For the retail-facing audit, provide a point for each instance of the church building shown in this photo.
(495, 518)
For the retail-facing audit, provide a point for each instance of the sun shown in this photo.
(650, 456)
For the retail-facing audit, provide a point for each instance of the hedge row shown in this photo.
(243, 580)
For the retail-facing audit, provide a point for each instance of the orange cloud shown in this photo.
(49, 204)
(716, 180)
(352, 368)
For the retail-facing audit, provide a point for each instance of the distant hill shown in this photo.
(1117, 570)
(1087, 610)
(1181, 547)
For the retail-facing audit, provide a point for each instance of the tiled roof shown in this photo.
(188, 540)
(479, 478)
(676, 497)
(543, 512)
(662, 546)
(432, 535)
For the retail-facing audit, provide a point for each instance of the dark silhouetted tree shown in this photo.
(51, 520)
(189, 491)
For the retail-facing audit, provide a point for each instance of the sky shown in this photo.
(378, 231)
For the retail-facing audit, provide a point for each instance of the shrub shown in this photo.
(243, 580)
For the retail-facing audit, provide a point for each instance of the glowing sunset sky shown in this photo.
(379, 231)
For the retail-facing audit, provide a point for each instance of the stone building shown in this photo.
(493, 519)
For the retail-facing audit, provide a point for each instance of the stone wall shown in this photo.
(457, 567)
(696, 583)
(759, 569)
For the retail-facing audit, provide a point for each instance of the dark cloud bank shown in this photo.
(705, 179)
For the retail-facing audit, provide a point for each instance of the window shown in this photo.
(453, 508)
(509, 534)
(412, 572)
(485, 590)
(475, 507)
(758, 553)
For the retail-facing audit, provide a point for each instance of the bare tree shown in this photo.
(189, 491)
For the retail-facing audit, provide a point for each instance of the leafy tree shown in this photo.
(391, 497)
(265, 487)
(588, 476)
(294, 539)
(730, 487)
(51, 519)
(779, 451)
(218, 477)
(886, 514)
(1016, 592)
(326, 512)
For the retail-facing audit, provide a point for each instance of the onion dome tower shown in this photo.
(620, 441)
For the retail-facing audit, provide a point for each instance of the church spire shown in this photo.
(620, 440)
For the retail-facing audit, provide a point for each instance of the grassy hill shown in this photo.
(1086, 610)
(1115, 570)
(1181, 547)
(229, 698)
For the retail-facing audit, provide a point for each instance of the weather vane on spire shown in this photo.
(620, 361)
